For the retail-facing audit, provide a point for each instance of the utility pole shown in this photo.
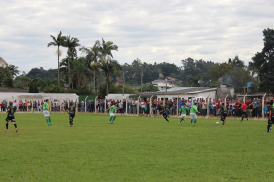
(141, 79)
(141, 75)
(124, 83)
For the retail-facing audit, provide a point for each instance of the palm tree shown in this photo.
(79, 72)
(93, 55)
(57, 42)
(13, 69)
(71, 44)
(110, 67)
(106, 48)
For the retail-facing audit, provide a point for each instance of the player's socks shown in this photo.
(191, 120)
(47, 121)
(7, 126)
(268, 127)
(110, 119)
(113, 119)
(195, 121)
(15, 125)
(224, 122)
(50, 120)
(181, 120)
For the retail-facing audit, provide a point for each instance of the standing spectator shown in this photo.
(143, 106)
(259, 108)
(204, 108)
(237, 107)
(15, 105)
(92, 106)
(254, 108)
(4, 105)
(134, 106)
(124, 105)
(82, 106)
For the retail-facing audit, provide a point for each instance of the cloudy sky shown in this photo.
(152, 30)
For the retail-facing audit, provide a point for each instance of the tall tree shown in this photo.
(71, 43)
(106, 48)
(110, 67)
(57, 42)
(79, 72)
(13, 69)
(264, 62)
(93, 57)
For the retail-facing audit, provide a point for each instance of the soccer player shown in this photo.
(224, 112)
(270, 118)
(183, 112)
(193, 114)
(46, 111)
(10, 117)
(244, 114)
(111, 113)
(162, 109)
(72, 110)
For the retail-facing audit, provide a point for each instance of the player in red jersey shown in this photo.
(244, 114)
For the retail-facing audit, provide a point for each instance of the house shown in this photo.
(3, 63)
(181, 92)
(163, 84)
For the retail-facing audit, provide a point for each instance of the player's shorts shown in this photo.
(46, 114)
(111, 114)
(244, 112)
(10, 118)
(270, 122)
(71, 116)
(193, 116)
(183, 115)
(223, 117)
(164, 114)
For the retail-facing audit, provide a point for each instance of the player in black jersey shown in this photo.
(10, 117)
(72, 110)
(162, 110)
(224, 113)
(270, 118)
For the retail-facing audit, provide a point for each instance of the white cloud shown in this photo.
(154, 31)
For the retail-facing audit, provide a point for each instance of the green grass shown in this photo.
(134, 149)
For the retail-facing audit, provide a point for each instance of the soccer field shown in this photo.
(134, 149)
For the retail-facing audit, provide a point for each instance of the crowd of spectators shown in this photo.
(254, 106)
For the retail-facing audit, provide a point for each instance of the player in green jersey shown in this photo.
(183, 111)
(111, 113)
(46, 111)
(10, 117)
(193, 114)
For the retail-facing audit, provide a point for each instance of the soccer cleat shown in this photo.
(267, 131)
(241, 121)
(270, 128)
(70, 125)
(109, 122)
(7, 129)
(179, 122)
(16, 130)
(193, 124)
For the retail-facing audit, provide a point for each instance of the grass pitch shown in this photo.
(134, 149)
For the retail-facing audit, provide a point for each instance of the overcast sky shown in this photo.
(152, 30)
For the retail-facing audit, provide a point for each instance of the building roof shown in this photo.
(177, 91)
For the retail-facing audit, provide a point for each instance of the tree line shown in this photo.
(96, 72)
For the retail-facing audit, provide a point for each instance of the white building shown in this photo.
(3, 63)
(163, 84)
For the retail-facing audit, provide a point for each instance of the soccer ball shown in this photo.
(217, 122)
